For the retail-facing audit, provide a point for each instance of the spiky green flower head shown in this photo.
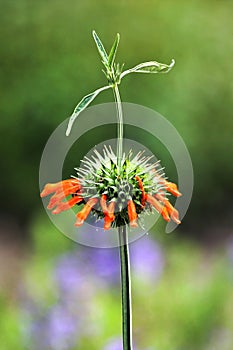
(123, 190)
(118, 192)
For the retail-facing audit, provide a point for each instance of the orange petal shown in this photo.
(132, 214)
(170, 209)
(83, 214)
(107, 222)
(103, 203)
(61, 194)
(107, 210)
(158, 206)
(142, 190)
(50, 188)
(160, 197)
(111, 209)
(150, 199)
(172, 188)
(67, 205)
(59, 186)
(69, 189)
(109, 216)
(172, 212)
(165, 214)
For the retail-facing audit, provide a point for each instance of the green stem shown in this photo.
(123, 242)
(119, 125)
(126, 289)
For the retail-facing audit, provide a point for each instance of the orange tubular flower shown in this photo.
(107, 222)
(158, 206)
(140, 184)
(59, 196)
(170, 209)
(172, 188)
(62, 189)
(67, 205)
(108, 211)
(132, 214)
(83, 214)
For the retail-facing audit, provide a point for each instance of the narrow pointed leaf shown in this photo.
(150, 67)
(100, 48)
(86, 100)
(113, 51)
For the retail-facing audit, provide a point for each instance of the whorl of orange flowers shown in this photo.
(119, 195)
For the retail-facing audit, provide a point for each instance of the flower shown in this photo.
(119, 194)
(114, 344)
(55, 328)
(149, 252)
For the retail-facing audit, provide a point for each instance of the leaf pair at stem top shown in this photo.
(112, 70)
(114, 73)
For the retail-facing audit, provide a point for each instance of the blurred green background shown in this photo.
(48, 63)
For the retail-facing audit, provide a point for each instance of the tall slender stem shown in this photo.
(125, 289)
(123, 243)
(119, 125)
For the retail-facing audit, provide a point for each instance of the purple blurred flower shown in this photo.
(106, 265)
(62, 328)
(77, 275)
(114, 344)
(55, 329)
(69, 272)
(76, 285)
(74, 269)
(147, 259)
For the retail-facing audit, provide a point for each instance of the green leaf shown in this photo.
(86, 100)
(150, 67)
(113, 51)
(100, 48)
